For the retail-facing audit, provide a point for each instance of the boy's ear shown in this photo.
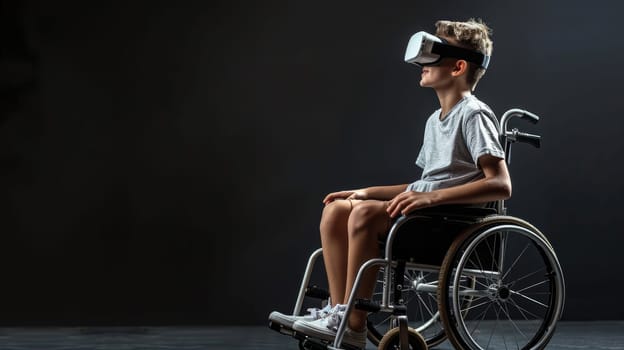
(460, 67)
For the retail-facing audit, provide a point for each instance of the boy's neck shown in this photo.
(449, 98)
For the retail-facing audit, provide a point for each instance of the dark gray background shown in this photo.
(164, 162)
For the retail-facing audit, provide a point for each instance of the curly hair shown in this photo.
(473, 34)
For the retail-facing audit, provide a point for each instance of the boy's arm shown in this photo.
(496, 185)
(376, 192)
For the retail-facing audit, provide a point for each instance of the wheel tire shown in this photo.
(391, 340)
(524, 300)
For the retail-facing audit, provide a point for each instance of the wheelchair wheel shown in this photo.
(391, 341)
(419, 295)
(519, 291)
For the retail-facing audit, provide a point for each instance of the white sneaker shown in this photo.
(326, 328)
(287, 321)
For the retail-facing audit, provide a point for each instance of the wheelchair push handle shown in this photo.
(516, 112)
(514, 135)
(533, 118)
(509, 137)
(517, 136)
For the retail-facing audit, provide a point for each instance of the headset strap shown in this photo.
(445, 50)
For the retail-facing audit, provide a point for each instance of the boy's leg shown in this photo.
(368, 221)
(334, 240)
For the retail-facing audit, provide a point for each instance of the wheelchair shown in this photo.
(488, 281)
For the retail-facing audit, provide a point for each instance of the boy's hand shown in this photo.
(354, 194)
(406, 202)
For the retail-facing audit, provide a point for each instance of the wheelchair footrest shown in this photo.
(314, 344)
(310, 344)
(279, 328)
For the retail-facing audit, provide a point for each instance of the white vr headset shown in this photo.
(425, 49)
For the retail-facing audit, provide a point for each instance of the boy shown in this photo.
(462, 161)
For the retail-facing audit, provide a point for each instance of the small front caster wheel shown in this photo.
(392, 340)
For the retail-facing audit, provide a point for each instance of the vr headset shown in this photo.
(425, 49)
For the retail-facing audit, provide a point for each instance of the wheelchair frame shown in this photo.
(482, 227)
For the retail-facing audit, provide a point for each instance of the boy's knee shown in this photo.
(334, 212)
(364, 217)
(337, 208)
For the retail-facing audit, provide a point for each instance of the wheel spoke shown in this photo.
(516, 261)
(384, 320)
(504, 340)
(533, 285)
(519, 309)
(421, 304)
(492, 254)
(475, 306)
(523, 310)
(526, 276)
(493, 330)
(514, 334)
(408, 299)
(482, 315)
(514, 324)
(530, 299)
(483, 284)
(430, 301)
(481, 269)
(420, 307)
(503, 248)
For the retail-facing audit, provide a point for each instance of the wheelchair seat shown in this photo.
(434, 228)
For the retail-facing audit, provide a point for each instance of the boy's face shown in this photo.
(439, 75)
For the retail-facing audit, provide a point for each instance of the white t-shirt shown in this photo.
(452, 147)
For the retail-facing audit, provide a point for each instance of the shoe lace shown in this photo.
(317, 313)
(335, 316)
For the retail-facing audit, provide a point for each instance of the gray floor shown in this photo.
(570, 335)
